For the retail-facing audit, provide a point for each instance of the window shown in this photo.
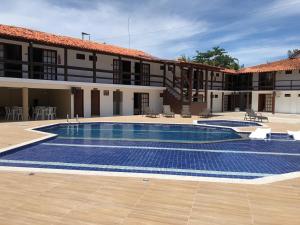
(288, 72)
(162, 67)
(50, 69)
(299, 95)
(170, 68)
(12, 53)
(146, 74)
(217, 75)
(80, 56)
(287, 95)
(91, 58)
(216, 96)
(106, 92)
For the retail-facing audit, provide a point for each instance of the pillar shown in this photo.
(25, 103)
(273, 102)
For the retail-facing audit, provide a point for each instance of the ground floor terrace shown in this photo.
(262, 101)
(74, 99)
(48, 198)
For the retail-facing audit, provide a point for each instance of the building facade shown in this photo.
(84, 78)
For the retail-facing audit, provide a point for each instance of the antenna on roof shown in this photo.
(83, 34)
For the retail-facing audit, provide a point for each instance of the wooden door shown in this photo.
(95, 103)
(78, 102)
(261, 102)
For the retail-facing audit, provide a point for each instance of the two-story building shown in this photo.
(86, 78)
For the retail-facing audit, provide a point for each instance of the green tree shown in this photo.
(292, 52)
(184, 58)
(217, 57)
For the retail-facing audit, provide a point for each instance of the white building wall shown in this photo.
(287, 102)
(106, 103)
(283, 79)
(217, 101)
(255, 100)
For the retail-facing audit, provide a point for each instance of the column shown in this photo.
(211, 101)
(65, 64)
(273, 102)
(25, 103)
(87, 102)
(206, 84)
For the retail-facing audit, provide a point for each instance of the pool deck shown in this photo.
(45, 198)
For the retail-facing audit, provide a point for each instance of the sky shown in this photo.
(254, 31)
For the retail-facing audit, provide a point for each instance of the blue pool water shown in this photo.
(228, 123)
(142, 132)
(101, 147)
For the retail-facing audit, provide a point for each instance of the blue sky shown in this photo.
(251, 30)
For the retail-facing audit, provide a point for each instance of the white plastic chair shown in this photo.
(19, 113)
(54, 112)
(8, 113)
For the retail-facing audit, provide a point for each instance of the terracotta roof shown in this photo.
(38, 36)
(230, 71)
(286, 64)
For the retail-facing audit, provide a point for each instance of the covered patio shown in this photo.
(34, 103)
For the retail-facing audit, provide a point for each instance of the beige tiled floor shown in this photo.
(89, 200)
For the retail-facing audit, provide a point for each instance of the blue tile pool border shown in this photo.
(11, 149)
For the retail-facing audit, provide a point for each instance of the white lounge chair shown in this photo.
(295, 135)
(260, 133)
(167, 111)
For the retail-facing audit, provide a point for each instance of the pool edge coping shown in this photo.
(256, 181)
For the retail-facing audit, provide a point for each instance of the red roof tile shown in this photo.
(38, 36)
(229, 71)
(286, 64)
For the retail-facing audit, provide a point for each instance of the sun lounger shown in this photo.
(150, 113)
(260, 133)
(295, 135)
(186, 111)
(205, 113)
(253, 116)
(167, 111)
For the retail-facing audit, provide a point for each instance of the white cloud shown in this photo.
(281, 8)
(150, 30)
(253, 55)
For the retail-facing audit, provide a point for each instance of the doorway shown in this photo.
(126, 68)
(137, 74)
(47, 59)
(117, 102)
(78, 102)
(141, 102)
(265, 102)
(95, 102)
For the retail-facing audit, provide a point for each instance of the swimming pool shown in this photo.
(141, 148)
(141, 132)
(228, 123)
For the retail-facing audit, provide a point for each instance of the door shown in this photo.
(78, 102)
(146, 74)
(95, 102)
(116, 71)
(141, 101)
(126, 72)
(137, 73)
(117, 102)
(261, 102)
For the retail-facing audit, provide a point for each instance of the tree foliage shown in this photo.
(217, 57)
(292, 52)
(184, 58)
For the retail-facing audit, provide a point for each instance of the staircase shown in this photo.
(175, 95)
